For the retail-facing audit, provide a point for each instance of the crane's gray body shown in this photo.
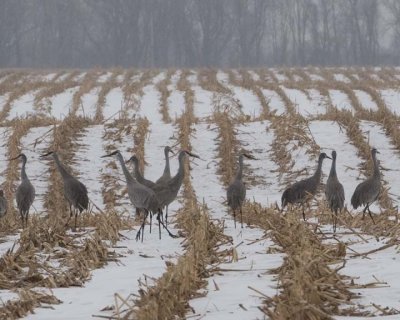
(304, 190)
(25, 194)
(167, 191)
(236, 192)
(3, 204)
(368, 191)
(334, 191)
(167, 171)
(75, 192)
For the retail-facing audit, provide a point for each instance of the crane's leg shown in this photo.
(304, 215)
(335, 221)
(141, 229)
(234, 217)
(70, 215)
(241, 216)
(370, 214)
(76, 217)
(26, 218)
(365, 209)
(169, 232)
(159, 218)
(151, 220)
(166, 215)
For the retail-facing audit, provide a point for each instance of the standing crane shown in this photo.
(167, 171)
(141, 197)
(25, 192)
(304, 190)
(236, 192)
(166, 192)
(3, 204)
(334, 191)
(368, 191)
(75, 192)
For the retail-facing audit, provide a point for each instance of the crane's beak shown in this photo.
(328, 157)
(249, 156)
(193, 155)
(46, 154)
(110, 155)
(16, 157)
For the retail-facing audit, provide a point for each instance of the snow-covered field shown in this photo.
(229, 293)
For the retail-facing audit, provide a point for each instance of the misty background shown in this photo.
(198, 33)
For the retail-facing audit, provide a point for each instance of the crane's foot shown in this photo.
(165, 227)
(138, 235)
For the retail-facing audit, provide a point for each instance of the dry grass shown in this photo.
(162, 86)
(309, 287)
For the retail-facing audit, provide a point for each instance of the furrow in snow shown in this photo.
(115, 103)
(36, 142)
(253, 260)
(340, 100)
(88, 163)
(89, 104)
(60, 104)
(257, 138)
(388, 156)
(305, 106)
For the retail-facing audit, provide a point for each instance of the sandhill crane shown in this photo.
(368, 191)
(25, 192)
(166, 192)
(334, 191)
(141, 179)
(75, 192)
(140, 196)
(3, 204)
(167, 171)
(304, 190)
(236, 192)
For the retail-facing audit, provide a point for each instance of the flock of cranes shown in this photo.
(301, 192)
(151, 198)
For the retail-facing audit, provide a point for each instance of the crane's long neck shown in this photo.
(127, 175)
(138, 174)
(376, 166)
(167, 170)
(23, 172)
(332, 173)
(60, 167)
(239, 172)
(317, 174)
(181, 169)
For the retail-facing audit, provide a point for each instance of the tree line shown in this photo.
(198, 33)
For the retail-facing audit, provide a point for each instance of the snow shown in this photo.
(249, 102)
(274, 101)
(61, 103)
(391, 97)
(340, 100)
(366, 100)
(89, 104)
(176, 103)
(23, 106)
(304, 105)
(203, 102)
(114, 104)
(341, 77)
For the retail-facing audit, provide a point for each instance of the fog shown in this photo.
(198, 33)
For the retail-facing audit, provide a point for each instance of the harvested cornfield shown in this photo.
(276, 267)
